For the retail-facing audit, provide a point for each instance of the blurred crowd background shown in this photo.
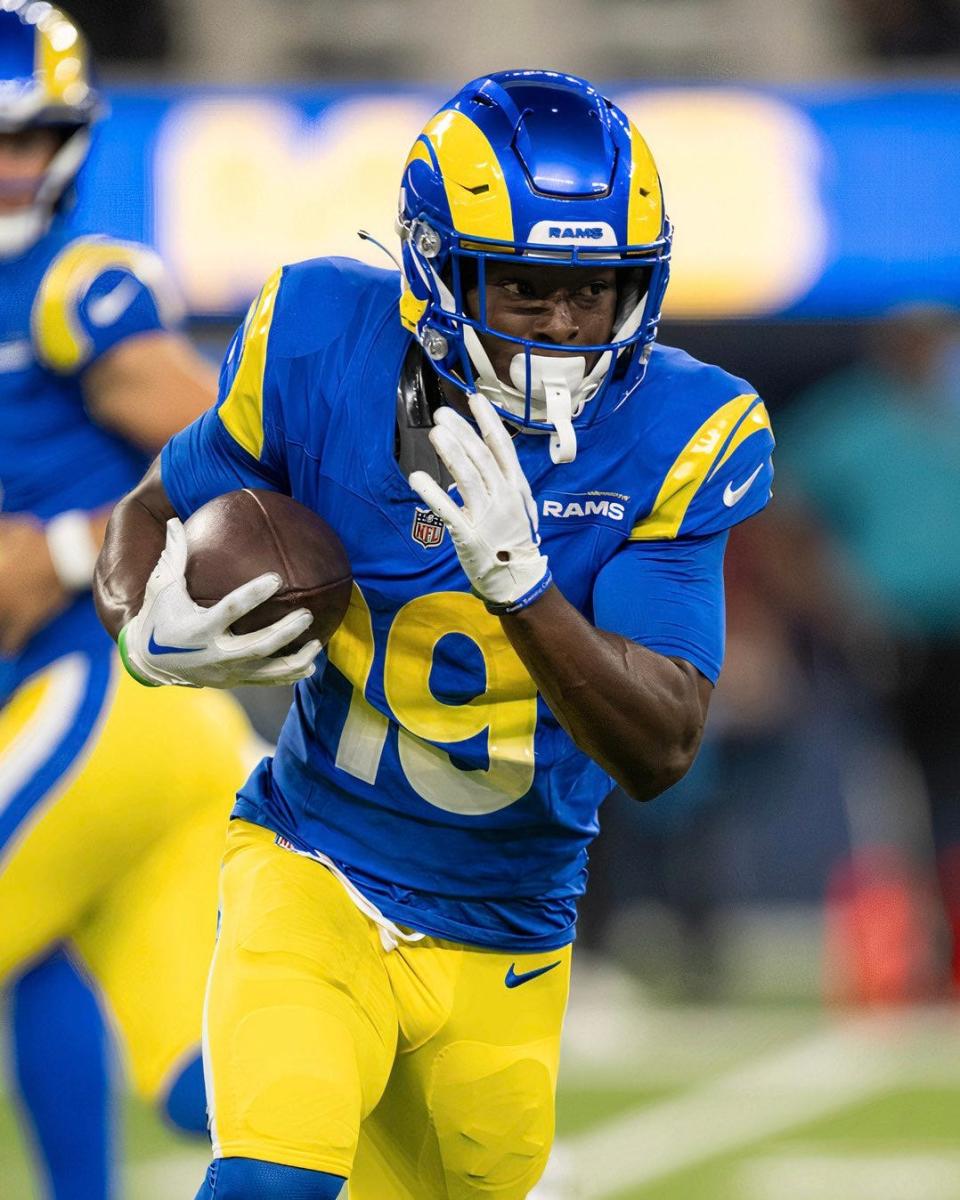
(815, 848)
(231, 41)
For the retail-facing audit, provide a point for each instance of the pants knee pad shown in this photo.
(253, 1179)
(494, 1126)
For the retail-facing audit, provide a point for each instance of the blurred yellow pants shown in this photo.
(115, 799)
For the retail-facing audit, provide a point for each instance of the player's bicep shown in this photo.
(703, 685)
(669, 597)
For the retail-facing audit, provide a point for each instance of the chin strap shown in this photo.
(558, 390)
(562, 386)
(563, 441)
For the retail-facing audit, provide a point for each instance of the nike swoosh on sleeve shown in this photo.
(16, 355)
(109, 308)
(731, 494)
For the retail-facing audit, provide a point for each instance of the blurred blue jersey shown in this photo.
(63, 304)
(420, 757)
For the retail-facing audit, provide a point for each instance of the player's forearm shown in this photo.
(636, 713)
(149, 387)
(132, 544)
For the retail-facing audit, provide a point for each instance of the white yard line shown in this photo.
(805, 1081)
(615, 1044)
(863, 1177)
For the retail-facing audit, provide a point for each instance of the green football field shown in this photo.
(698, 1104)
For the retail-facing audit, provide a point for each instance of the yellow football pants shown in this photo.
(419, 1072)
(119, 852)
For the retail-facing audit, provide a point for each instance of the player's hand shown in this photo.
(30, 593)
(174, 640)
(495, 531)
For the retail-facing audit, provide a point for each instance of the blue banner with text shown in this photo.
(840, 202)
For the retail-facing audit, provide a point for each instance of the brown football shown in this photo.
(237, 536)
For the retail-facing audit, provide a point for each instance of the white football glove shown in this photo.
(495, 532)
(174, 640)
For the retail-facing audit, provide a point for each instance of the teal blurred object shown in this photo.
(878, 459)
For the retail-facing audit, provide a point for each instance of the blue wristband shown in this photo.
(503, 610)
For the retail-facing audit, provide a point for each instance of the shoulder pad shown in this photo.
(721, 476)
(96, 292)
(323, 299)
(316, 310)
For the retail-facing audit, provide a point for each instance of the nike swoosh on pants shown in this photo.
(513, 980)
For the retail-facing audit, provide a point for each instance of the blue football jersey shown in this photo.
(63, 304)
(419, 757)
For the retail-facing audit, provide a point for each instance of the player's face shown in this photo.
(24, 156)
(545, 303)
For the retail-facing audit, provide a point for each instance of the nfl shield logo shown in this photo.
(427, 528)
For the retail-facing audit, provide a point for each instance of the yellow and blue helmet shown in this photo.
(536, 164)
(45, 81)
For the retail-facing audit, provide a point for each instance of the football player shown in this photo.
(535, 498)
(112, 808)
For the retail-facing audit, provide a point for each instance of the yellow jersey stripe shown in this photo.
(757, 419)
(242, 410)
(692, 467)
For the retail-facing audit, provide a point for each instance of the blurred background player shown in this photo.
(111, 810)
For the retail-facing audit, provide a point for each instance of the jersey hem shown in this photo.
(413, 918)
(168, 477)
(450, 931)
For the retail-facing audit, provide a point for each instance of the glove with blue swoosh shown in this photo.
(173, 640)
